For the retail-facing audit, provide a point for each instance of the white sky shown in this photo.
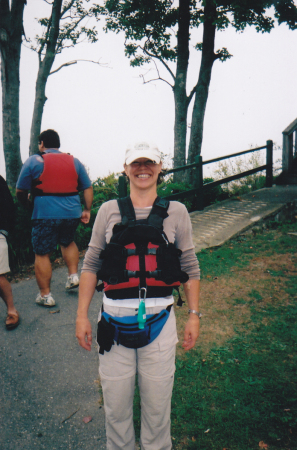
(97, 110)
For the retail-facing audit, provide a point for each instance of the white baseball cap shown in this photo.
(142, 150)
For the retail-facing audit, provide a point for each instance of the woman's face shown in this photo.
(143, 173)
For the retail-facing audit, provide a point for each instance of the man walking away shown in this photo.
(54, 180)
(7, 216)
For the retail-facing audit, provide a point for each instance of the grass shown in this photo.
(237, 389)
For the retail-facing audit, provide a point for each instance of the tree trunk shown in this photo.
(39, 103)
(201, 94)
(180, 93)
(44, 69)
(11, 31)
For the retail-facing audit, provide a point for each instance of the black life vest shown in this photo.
(139, 255)
(59, 176)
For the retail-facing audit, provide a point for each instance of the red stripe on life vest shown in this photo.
(133, 265)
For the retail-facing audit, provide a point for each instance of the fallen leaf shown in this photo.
(263, 445)
(87, 419)
(54, 312)
(207, 431)
(193, 439)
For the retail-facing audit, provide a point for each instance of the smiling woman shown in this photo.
(141, 248)
(142, 172)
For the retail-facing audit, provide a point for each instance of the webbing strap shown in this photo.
(158, 213)
(155, 218)
(126, 209)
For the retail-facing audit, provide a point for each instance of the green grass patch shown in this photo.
(238, 391)
(243, 393)
(237, 253)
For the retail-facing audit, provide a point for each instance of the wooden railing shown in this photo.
(201, 188)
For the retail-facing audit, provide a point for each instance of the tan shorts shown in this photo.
(4, 263)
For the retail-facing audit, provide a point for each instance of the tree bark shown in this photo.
(44, 69)
(181, 101)
(11, 32)
(202, 89)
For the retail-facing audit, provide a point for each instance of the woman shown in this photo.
(139, 295)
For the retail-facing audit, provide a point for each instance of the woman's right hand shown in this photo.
(84, 333)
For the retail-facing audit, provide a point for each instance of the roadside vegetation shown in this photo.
(237, 389)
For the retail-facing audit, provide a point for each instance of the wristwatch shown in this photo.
(195, 312)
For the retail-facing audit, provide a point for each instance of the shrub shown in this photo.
(234, 166)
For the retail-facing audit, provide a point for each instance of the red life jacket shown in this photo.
(59, 176)
(139, 255)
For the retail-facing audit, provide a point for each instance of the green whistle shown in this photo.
(141, 316)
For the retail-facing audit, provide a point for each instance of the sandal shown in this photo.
(12, 321)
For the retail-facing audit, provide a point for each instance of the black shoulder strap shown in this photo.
(158, 213)
(156, 216)
(126, 210)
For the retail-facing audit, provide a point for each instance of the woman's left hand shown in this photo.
(191, 332)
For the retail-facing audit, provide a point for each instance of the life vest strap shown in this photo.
(126, 210)
(155, 218)
(158, 213)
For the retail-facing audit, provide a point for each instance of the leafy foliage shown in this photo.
(238, 165)
(73, 29)
(152, 23)
(159, 31)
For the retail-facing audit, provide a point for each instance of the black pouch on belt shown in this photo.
(105, 335)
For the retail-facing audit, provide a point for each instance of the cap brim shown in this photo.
(143, 154)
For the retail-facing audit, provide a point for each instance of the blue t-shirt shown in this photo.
(50, 206)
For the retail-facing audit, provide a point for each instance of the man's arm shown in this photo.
(88, 200)
(24, 198)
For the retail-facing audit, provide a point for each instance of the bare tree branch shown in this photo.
(70, 63)
(155, 79)
(159, 78)
(153, 55)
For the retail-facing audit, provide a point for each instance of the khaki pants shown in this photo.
(155, 365)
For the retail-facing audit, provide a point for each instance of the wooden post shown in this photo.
(269, 163)
(122, 186)
(288, 145)
(199, 183)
